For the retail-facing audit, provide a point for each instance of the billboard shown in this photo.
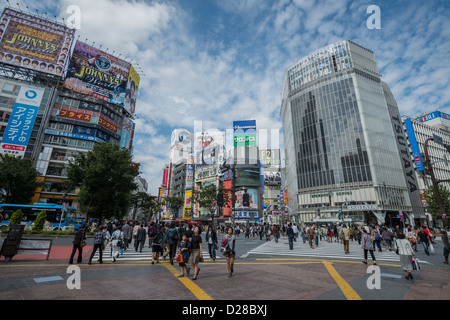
(209, 148)
(414, 146)
(95, 73)
(21, 121)
(34, 43)
(247, 175)
(253, 195)
(244, 133)
(188, 203)
(270, 158)
(433, 115)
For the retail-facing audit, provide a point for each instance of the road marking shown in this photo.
(348, 291)
(196, 290)
(48, 279)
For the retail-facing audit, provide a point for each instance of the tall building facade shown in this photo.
(420, 128)
(342, 160)
(59, 97)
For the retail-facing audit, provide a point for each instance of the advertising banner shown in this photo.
(244, 133)
(21, 121)
(414, 146)
(188, 204)
(75, 115)
(95, 73)
(270, 158)
(254, 196)
(165, 178)
(34, 43)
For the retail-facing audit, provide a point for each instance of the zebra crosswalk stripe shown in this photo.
(324, 250)
(146, 255)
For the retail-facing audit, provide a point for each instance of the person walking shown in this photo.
(157, 244)
(358, 234)
(196, 254)
(446, 243)
(116, 243)
(211, 240)
(183, 248)
(424, 239)
(376, 235)
(151, 230)
(290, 235)
(141, 235)
(172, 239)
(295, 229)
(346, 239)
(78, 243)
(367, 245)
(127, 235)
(406, 253)
(228, 247)
(411, 236)
(99, 243)
(387, 236)
(310, 236)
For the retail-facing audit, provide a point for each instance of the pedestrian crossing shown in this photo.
(324, 250)
(146, 255)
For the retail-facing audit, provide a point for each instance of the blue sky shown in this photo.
(224, 60)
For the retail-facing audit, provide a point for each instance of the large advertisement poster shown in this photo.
(95, 73)
(209, 148)
(34, 43)
(21, 121)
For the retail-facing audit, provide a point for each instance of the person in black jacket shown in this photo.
(141, 236)
(77, 244)
(211, 240)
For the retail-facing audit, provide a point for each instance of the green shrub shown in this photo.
(16, 218)
(40, 221)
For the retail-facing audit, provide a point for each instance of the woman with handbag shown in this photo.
(406, 253)
(228, 248)
(211, 240)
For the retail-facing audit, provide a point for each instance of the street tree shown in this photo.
(105, 180)
(144, 202)
(433, 208)
(175, 203)
(17, 180)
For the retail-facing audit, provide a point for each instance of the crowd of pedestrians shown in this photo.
(184, 244)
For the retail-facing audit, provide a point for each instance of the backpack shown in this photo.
(174, 235)
(341, 235)
(157, 238)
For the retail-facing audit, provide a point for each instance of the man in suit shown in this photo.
(141, 235)
(127, 235)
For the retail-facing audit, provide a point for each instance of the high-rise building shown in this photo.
(431, 125)
(342, 159)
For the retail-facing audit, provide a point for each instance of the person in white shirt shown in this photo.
(295, 229)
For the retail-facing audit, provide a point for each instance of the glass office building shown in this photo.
(341, 151)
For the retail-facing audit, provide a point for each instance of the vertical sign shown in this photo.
(414, 146)
(20, 124)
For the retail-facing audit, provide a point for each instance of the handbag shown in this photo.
(83, 243)
(431, 247)
(179, 257)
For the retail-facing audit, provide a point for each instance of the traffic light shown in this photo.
(220, 199)
(246, 200)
